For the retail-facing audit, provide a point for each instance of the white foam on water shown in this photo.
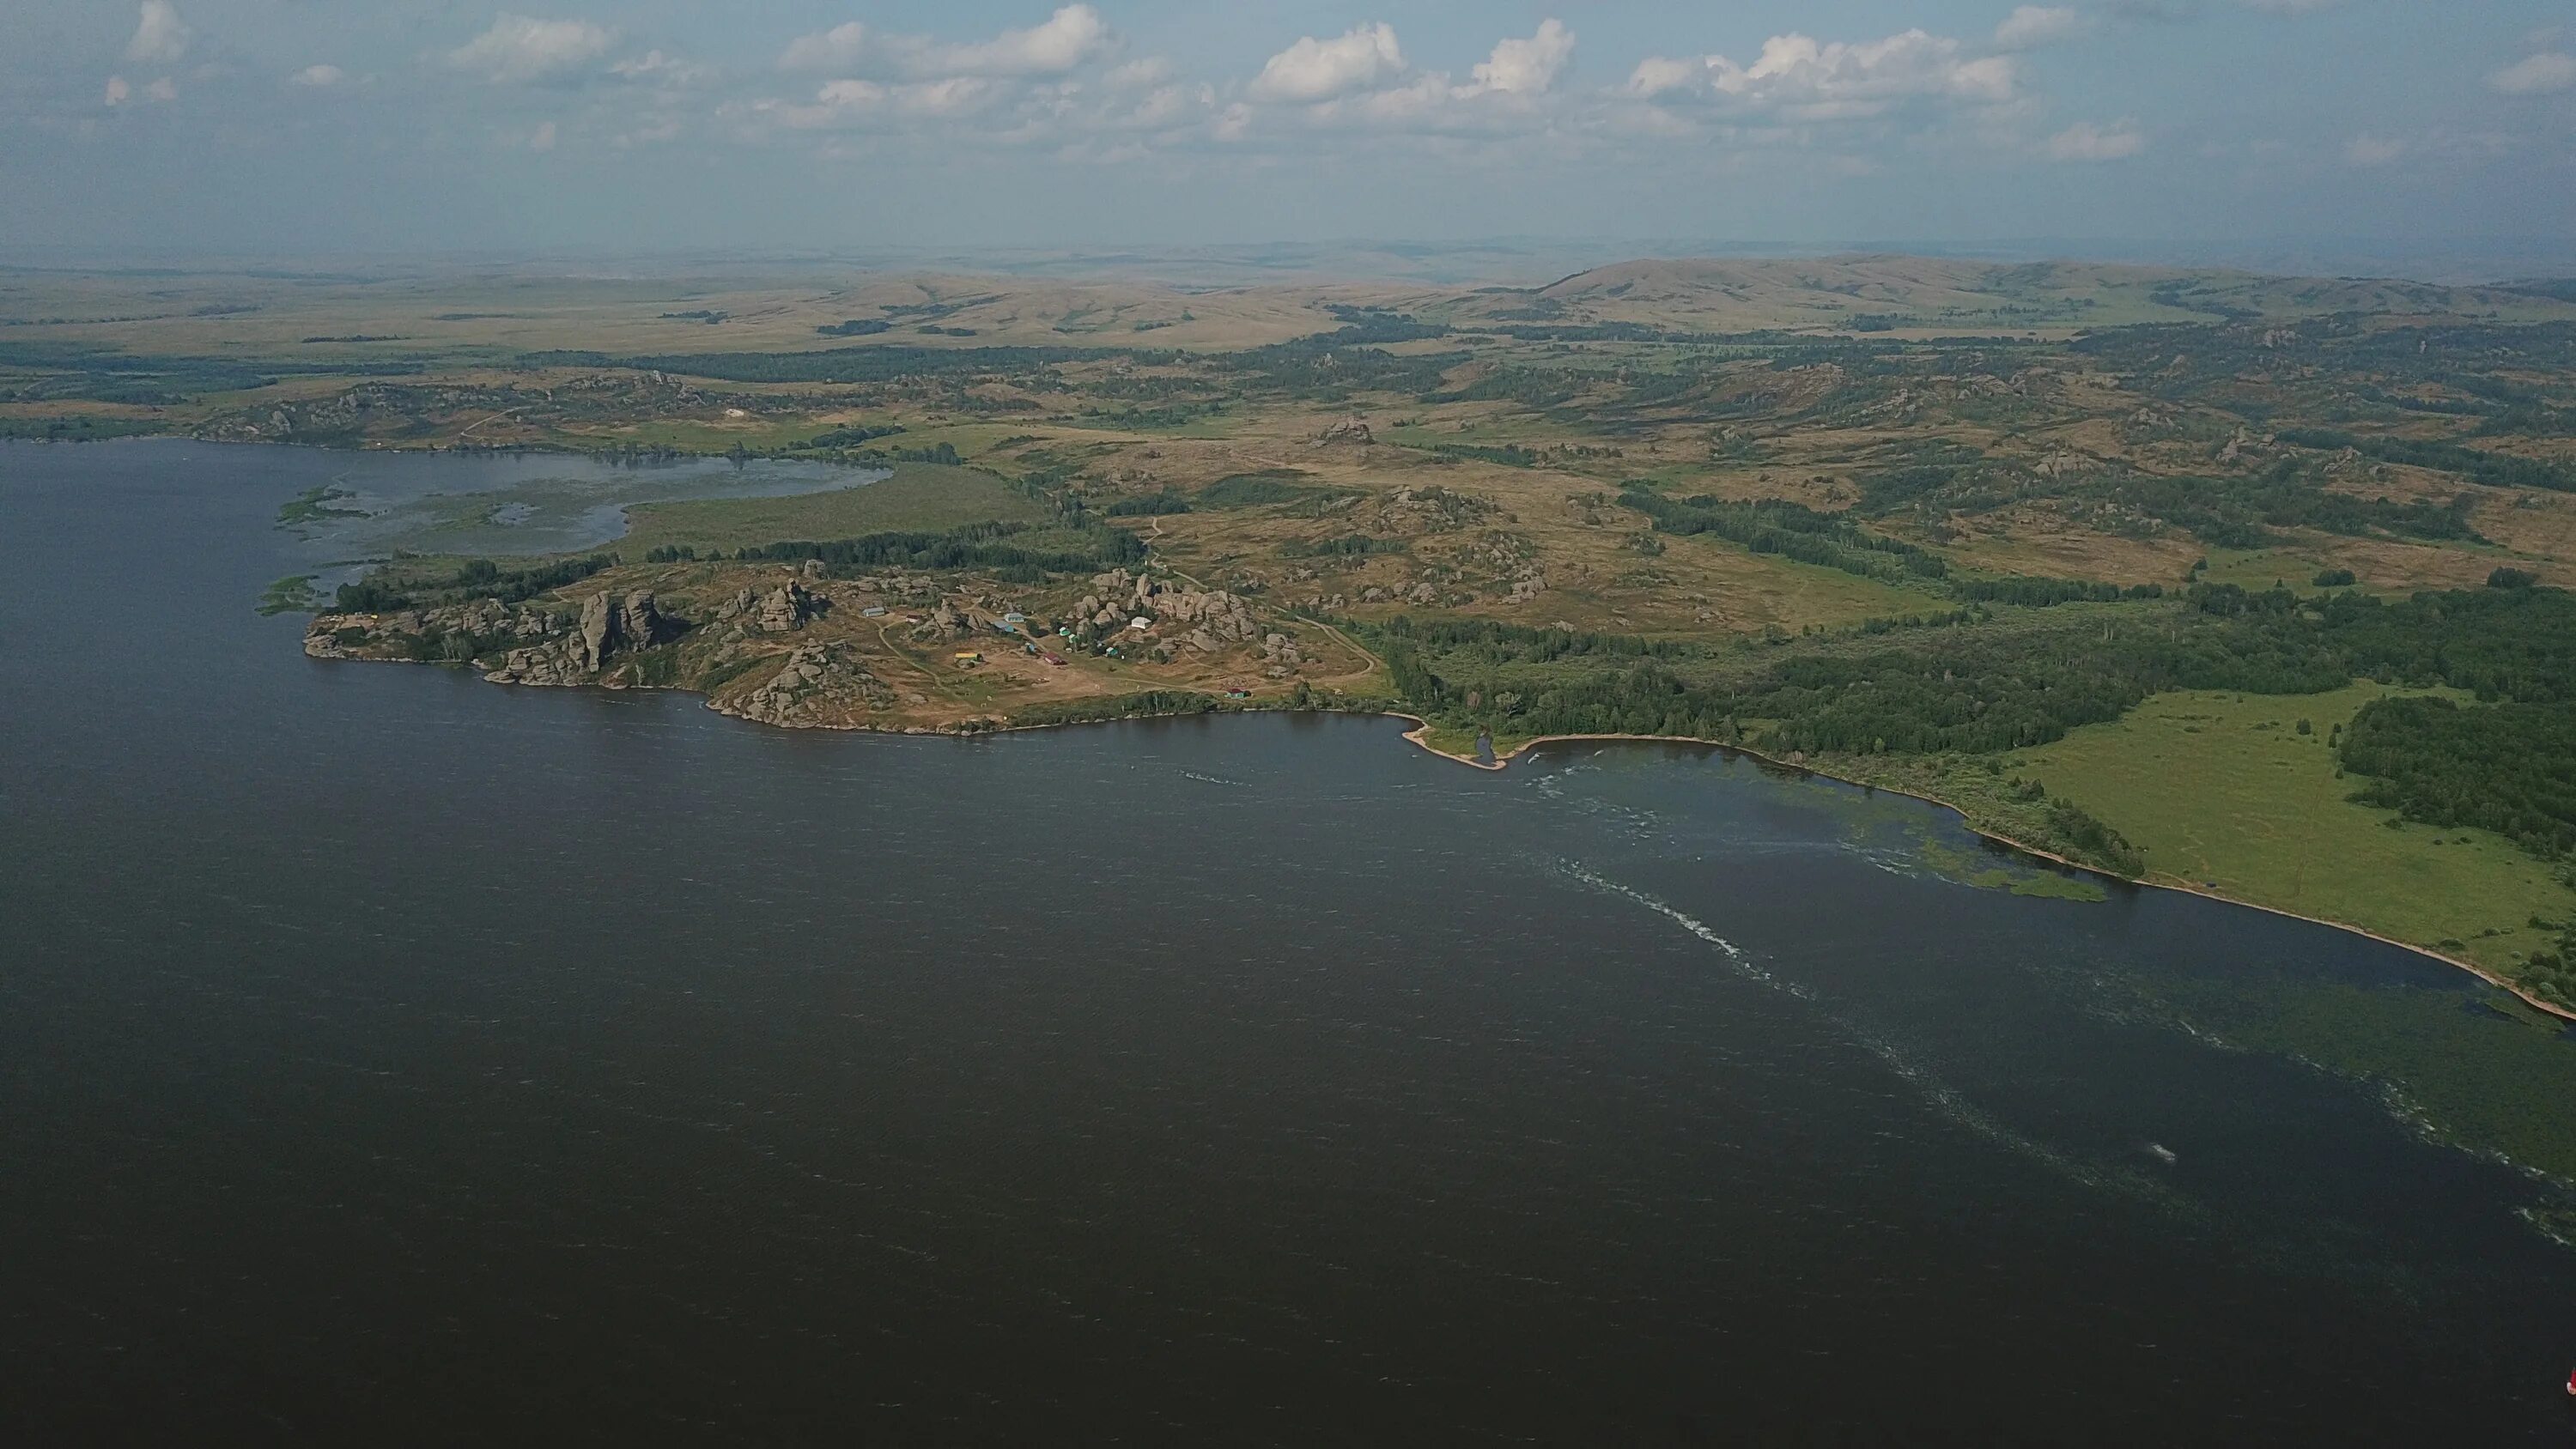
(1944, 1098)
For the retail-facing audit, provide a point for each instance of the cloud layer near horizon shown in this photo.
(1985, 91)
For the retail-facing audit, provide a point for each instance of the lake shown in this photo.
(392, 1057)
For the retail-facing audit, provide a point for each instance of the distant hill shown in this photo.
(1906, 293)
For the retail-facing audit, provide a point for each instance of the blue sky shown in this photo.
(304, 127)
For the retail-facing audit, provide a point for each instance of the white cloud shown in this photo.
(543, 137)
(1319, 70)
(2440, 146)
(1528, 67)
(2033, 26)
(1068, 38)
(118, 92)
(1138, 75)
(318, 76)
(838, 48)
(653, 65)
(164, 90)
(2544, 74)
(160, 37)
(2085, 141)
(843, 103)
(1802, 78)
(1660, 75)
(518, 49)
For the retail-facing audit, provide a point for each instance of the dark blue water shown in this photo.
(390, 1057)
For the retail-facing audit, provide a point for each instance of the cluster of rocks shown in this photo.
(1280, 653)
(815, 684)
(2237, 447)
(609, 625)
(1219, 614)
(944, 622)
(358, 636)
(782, 610)
(1115, 597)
(1349, 430)
(1528, 587)
(472, 628)
(542, 647)
(1432, 510)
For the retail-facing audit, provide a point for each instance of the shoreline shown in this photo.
(1418, 736)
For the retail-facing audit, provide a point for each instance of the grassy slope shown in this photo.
(924, 496)
(2220, 789)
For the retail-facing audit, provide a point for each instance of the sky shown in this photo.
(776, 127)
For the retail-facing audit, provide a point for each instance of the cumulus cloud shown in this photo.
(844, 103)
(838, 48)
(1319, 70)
(1802, 78)
(518, 49)
(1153, 70)
(2085, 141)
(321, 77)
(1073, 35)
(1528, 67)
(2538, 75)
(160, 37)
(2373, 151)
(656, 67)
(543, 137)
(118, 92)
(2033, 26)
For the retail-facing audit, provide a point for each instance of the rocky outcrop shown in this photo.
(532, 644)
(943, 622)
(816, 684)
(597, 629)
(476, 628)
(610, 625)
(1408, 511)
(1349, 430)
(782, 610)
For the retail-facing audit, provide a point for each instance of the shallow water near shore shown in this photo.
(372, 504)
(395, 1057)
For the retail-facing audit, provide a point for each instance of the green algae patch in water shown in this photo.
(293, 594)
(2031, 881)
(2474, 1068)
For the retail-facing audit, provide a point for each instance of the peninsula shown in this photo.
(2248, 585)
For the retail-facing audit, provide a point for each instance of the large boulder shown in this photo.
(597, 632)
(785, 609)
(640, 624)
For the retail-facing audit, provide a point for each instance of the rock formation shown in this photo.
(816, 684)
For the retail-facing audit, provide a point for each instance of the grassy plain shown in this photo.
(2222, 792)
(915, 497)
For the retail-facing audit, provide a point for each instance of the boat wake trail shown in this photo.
(1734, 954)
(1944, 1099)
